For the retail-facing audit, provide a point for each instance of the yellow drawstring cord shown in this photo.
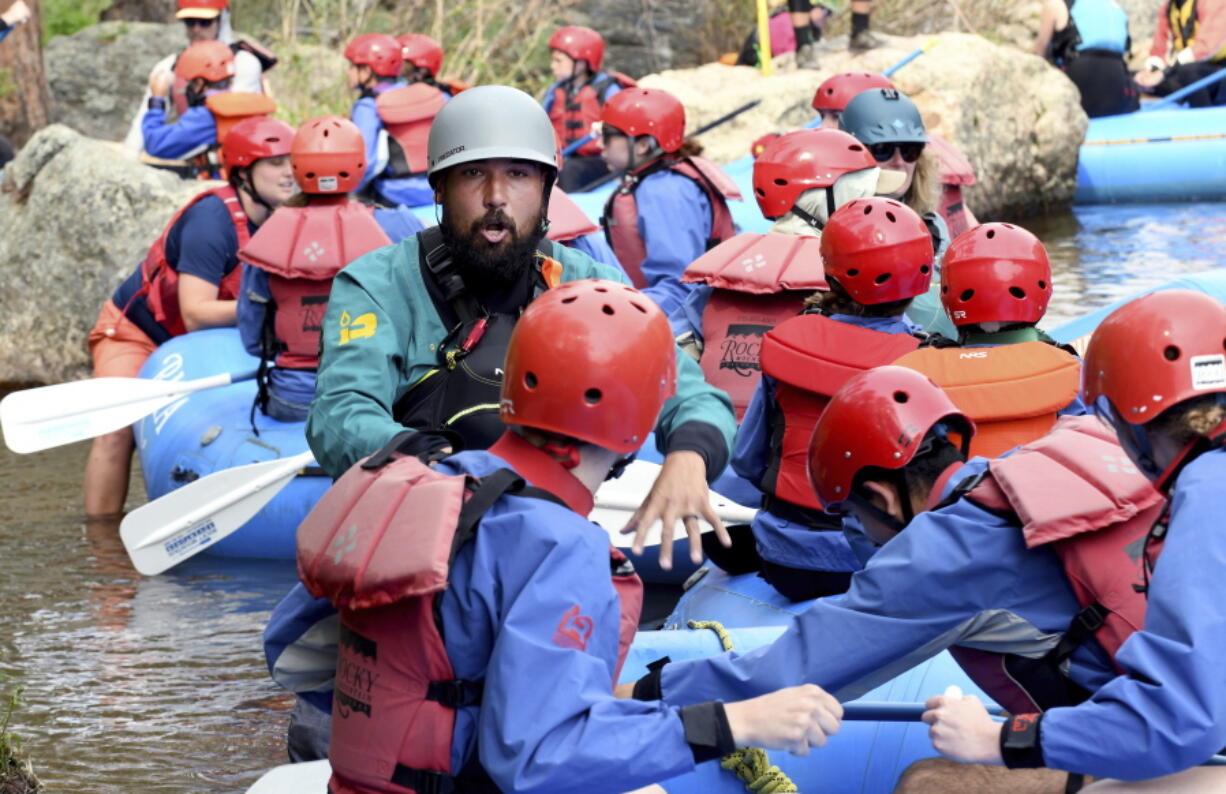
(751, 764)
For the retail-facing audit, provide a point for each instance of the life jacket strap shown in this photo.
(457, 693)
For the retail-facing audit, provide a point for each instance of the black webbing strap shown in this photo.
(423, 781)
(456, 693)
(1087, 621)
(436, 257)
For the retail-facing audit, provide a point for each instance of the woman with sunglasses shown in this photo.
(1156, 372)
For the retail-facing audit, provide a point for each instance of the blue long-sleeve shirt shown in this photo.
(195, 129)
(675, 223)
(407, 191)
(779, 540)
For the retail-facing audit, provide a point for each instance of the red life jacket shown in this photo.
(407, 113)
(567, 220)
(621, 213)
(1076, 491)
(302, 249)
(573, 117)
(160, 281)
(396, 691)
(811, 356)
(1012, 392)
(956, 173)
(953, 210)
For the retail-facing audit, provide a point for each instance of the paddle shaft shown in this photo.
(1187, 90)
(173, 389)
(889, 72)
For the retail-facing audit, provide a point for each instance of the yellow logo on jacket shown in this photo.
(364, 325)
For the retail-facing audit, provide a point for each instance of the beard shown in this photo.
(485, 266)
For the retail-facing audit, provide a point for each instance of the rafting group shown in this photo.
(930, 469)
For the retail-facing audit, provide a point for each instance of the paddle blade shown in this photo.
(50, 416)
(186, 521)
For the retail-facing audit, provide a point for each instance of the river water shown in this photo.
(158, 684)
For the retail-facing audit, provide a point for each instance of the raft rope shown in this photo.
(751, 764)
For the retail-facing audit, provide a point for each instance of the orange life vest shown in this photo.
(397, 693)
(160, 281)
(573, 116)
(229, 108)
(810, 357)
(1012, 392)
(621, 213)
(1076, 492)
(407, 113)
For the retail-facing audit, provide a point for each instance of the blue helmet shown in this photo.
(883, 115)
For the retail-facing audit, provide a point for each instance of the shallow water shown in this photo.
(158, 684)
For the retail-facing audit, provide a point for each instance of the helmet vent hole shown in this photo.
(602, 289)
(571, 299)
(1042, 284)
(310, 175)
(530, 380)
(781, 182)
(1017, 292)
(344, 175)
(592, 396)
(1171, 353)
(853, 272)
(901, 397)
(966, 295)
(641, 308)
(991, 233)
(607, 309)
(868, 208)
(924, 269)
(759, 192)
(855, 147)
(327, 132)
(944, 289)
(883, 278)
(891, 217)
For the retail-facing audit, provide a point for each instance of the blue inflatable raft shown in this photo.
(211, 430)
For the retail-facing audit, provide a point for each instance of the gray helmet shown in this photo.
(883, 115)
(487, 122)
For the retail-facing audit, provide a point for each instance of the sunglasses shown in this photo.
(199, 23)
(884, 151)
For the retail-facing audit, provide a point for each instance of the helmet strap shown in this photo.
(812, 220)
(247, 185)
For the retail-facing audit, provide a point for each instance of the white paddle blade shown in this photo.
(617, 500)
(185, 521)
(51, 416)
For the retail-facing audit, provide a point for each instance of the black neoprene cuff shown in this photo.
(707, 730)
(648, 687)
(1019, 742)
(157, 103)
(703, 438)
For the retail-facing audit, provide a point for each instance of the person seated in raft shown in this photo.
(394, 119)
(283, 293)
(207, 68)
(1189, 44)
(188, 281)
(14, 15)
(672, 205)
(1089, 41)
(1156, 374)
(574, 100)
(878, 256)
(423, 58)
(1023, 566)
(391, 328)
(889, 124)
(203, 20)
(525, 588)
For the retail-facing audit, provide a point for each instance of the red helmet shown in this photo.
(995, 273)
(581, 44)
(211, 60)
(878, 250)
(593, 360)
(834, 94)
(200, 9)
(1156, 351)
(803, 160)
(422, 51)
(328, 155)
(877, 418)
(647, 111)
(255, 138)
(379, 51)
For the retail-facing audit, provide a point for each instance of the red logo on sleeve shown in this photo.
(574, 630)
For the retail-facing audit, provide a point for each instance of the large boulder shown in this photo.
(98, 75)
(1018, 120)
(649, 35)
(76, 217)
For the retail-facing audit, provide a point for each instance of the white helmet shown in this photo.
(488, 122)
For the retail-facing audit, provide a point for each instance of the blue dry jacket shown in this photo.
(781, 541)
(195, 129)
(957, 575)
(675, 223)
(408, 191)
(294, 388)
(597, 247)
(1167, 711)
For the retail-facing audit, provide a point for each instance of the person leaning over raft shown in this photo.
(1156, 373)
(189, 280)
(526, 588)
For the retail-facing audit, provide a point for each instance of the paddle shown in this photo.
(1171, 99)
(51, 416)
(883, 711)
(185, 521)
(577, 145)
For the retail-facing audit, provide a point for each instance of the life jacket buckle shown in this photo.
(456, 693)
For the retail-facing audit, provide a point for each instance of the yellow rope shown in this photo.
(751, 764)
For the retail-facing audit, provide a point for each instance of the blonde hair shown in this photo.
(924, 193)
(837, 301)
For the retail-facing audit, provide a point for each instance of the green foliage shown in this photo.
(7, 85)
(64, 17)
(16, 775)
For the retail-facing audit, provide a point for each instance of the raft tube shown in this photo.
(1154, 156)
(211, 430)
(1077, 332)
